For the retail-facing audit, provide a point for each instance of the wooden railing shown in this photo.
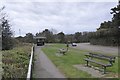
(29, 74)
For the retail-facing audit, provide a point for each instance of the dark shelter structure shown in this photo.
(40, 41)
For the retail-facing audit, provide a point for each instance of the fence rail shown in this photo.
(29, 74)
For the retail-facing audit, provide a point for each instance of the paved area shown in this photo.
(97, 48)
(93, 72)
(43, 67)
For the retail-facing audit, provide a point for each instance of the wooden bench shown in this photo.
(90, 58)
(63, 51)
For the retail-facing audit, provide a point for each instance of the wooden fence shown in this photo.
(29, 74)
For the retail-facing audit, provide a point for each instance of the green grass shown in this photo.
(74, 56)
(65, 63)
(16, 61)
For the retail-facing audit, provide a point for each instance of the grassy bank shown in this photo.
(15, 61)
(74, 56)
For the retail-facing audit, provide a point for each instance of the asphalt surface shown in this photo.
(96, 48)
(43, 67)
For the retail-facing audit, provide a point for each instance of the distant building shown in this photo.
(40, 41)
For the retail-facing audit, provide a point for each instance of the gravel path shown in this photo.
(43, 67)
(97, 48)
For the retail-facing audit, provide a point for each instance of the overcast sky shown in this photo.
(70, 17)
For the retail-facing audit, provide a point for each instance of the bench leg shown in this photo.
(104, 69)
(63, 53)
(87, 63)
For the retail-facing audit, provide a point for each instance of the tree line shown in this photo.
(109, 31)
(60, 37)
(107, 34)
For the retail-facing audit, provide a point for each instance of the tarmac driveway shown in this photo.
(98, 48)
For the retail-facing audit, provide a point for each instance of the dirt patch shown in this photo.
(89, 70)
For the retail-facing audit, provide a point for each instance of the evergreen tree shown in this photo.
(7, 41)
(61, 37)
(29, 38)
(116, 22)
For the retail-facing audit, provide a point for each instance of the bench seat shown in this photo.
(100, 63)
(101, 57)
